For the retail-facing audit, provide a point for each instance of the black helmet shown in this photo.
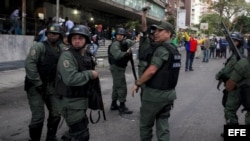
(54, 28)
(80, 30)
(238, 36)
(150, 30)
(120, 31)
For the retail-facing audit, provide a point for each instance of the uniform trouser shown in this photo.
(140, 72)
(151, 112)
(36, 102)
(205, 55)
(189, 60)
(232, 105)
(119, 91)
(74, 112)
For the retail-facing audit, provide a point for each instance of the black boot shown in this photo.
(51, 134)
(123, 109)
(114, 105)
(35, 132)
(52, 128)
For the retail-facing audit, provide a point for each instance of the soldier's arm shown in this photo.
(68, 68)
(116, 51)
(130, 42)
(240, 70)
(159, 56)
(227, 69)
(144, 21)
(31, 63)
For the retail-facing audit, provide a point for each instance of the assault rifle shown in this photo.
(232, 47)
(230, 41)
(133, 66)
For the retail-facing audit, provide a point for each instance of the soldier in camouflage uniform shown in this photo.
(160, 79)
(40, 67)
(231, 99)
(75, 72)
(146, 41)
(119, 53)
(240, 79)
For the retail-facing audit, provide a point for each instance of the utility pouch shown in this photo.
(245, 96)
(224, 97)
(27, 84)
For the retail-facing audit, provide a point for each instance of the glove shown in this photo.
(40, 89)
(230, 85)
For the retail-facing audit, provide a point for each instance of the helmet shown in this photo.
(120, 31)
(238, 36)
(150, 30)
(80, 30)
(54, 28)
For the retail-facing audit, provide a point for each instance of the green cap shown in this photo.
(163, 25)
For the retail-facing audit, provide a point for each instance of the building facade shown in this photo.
(106, 12)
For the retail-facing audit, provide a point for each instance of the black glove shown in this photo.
(40, 89)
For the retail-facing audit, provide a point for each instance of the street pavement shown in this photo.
(197, 114)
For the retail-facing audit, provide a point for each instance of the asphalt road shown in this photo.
(197, 114)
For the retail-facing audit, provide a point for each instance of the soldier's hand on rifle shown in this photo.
(230, 85)
(129, 51)
(135, 88)
(95, 74)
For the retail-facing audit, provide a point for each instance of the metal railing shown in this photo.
(32, 25)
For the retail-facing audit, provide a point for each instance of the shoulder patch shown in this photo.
(66, 63)
(33, 52)
(158, 52)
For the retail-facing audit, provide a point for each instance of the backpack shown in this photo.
(95, 101)
(212, 44)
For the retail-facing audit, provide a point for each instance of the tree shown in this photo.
(229, 9)
(213, 21)
(241, 24)
(130, 25)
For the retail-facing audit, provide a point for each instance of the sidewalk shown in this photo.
(11, 65)
(11, 78)
(12, 73)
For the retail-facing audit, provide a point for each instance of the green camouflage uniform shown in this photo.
(232, 102)
(241, 75)
(36, 98)
(73, 109)
(155, 101)
(143, 45)
(119, 91)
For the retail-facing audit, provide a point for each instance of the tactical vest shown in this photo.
(147, 53)
(124, 60)
(47, 66)
(166, 77)
(245, 93)
(85, 62)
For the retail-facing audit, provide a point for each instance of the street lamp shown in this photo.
(75, 12)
